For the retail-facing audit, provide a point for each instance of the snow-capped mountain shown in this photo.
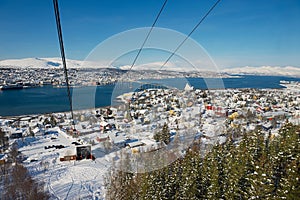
(48, 63)
(57, 63)
(265, 70)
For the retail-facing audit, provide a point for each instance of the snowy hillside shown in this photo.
(170, 66)
(266, 70)
(65, 180)
(47, 63)
(57, 63)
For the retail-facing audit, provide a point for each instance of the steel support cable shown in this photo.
(62, 52)
(197, 25)
(148, 34)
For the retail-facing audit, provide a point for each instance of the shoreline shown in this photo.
(121, 99)
(28, 110)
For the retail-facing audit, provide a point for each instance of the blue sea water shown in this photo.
(48, 99)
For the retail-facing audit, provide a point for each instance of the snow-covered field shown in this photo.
(69, 179)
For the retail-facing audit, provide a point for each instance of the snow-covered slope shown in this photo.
(158, 66)
(48, 63)
(29, 62)
(57, 63)
(266, 70)
(70, 179)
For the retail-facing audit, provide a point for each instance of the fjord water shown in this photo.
(49, 99)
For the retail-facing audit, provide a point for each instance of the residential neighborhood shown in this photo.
(158, 121)
(19, 78)
(146, 111)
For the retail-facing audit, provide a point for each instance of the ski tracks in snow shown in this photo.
(70, 188)
(50, 188)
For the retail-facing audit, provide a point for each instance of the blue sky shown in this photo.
(237, 33)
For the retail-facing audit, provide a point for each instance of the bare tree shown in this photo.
(20, 185)
(13, 154)
(3, 140)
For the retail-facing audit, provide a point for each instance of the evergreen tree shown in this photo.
(53, 121)
(164, 135)
(212, 175)
(234, 171)
(254, 168)
(188, 184)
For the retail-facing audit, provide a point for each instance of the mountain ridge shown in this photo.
(50, 63)
(265, 70)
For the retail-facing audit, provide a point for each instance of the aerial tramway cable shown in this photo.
(141, 48)
(62, 52)
(197, 25)
(59, 31)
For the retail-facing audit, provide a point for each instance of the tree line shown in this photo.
(257, 166)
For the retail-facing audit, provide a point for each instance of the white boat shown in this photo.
(11, 87)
